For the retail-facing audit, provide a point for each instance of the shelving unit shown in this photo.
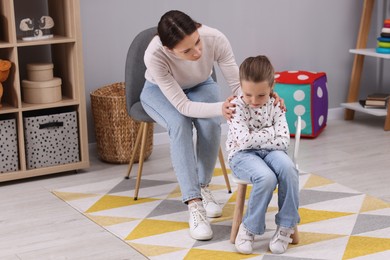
(64, 50)
(360, 52)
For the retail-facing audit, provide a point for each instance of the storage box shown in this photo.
(51, 139)
(40, 71)
(305, 94)
(9, 160)
(41, 92)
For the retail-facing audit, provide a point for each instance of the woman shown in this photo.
(180, 94)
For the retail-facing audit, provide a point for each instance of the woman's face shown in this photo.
(190, 48)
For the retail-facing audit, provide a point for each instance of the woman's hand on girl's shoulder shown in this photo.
(279, 101)
(228, 108)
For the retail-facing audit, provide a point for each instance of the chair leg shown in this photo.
(238, 211)
(141, 158)
(224, 171)
(295, 236)
(135, 148)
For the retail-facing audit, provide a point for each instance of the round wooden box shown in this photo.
(39, 71)
(40, 92)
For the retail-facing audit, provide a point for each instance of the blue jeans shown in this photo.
(194, 166)
(266, 169)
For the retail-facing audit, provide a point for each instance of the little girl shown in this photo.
(257, 142)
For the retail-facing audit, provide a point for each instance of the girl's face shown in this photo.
(255, 94)
(190, 48)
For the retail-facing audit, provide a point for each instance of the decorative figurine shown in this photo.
(5, 66)
(36, 29)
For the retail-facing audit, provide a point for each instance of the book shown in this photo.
(378, 96)
(364, 104)
(375, 102)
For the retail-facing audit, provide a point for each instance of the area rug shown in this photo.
(336, 222)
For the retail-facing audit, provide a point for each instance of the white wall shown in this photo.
(296, 35)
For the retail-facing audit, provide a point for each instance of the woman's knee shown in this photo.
(180, 125)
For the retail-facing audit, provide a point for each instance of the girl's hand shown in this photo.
(228, 108)
(279, 100)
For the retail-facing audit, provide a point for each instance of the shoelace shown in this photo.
(207, 196)
(198, 217)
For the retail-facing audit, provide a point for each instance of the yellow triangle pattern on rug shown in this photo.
(152, 250)
(110, 202)
(156, 224)
(201, 254)
(370, 203)
(361, 246)
(316, 181)
(68, 196)
(150, 227)
(108, 221)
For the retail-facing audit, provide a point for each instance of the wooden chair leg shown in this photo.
(135, 149)
(238, 211)
(224, 171)
(141, 158)
(295, 236)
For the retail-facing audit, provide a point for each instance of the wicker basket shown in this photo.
(115, 131)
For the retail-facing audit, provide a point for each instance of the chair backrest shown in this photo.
(135, 66)
(135, 74)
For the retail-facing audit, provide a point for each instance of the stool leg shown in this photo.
(135, 148)
(224, 171)
(141, 159)
(295, 236)
(238, 211)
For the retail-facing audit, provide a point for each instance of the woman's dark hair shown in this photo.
(174, 26)
(257, 69)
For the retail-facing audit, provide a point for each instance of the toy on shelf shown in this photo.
(384, 39)
(36, 29)
(5, 67)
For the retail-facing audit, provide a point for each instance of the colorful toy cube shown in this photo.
(305, 94)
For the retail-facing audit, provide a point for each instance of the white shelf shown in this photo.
(372, 111)
(370, 52)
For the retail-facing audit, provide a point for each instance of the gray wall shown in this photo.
(296, 35)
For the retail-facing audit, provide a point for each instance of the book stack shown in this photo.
(375, 100)
(384, 39)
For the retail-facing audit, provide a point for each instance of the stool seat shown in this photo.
(239, 181)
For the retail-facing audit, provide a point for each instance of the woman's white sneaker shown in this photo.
(213, 210)
(199, 225)
(244, 240)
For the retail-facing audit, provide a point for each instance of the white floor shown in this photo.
(34, 224)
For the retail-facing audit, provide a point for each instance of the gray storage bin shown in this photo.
(51, 140)
(9, 161)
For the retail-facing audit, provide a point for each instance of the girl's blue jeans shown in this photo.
(193, 163)
(265, 170)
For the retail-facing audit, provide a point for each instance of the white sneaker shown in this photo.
(199, 225)
(280, 240)
(211, 206)
(244, 240)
